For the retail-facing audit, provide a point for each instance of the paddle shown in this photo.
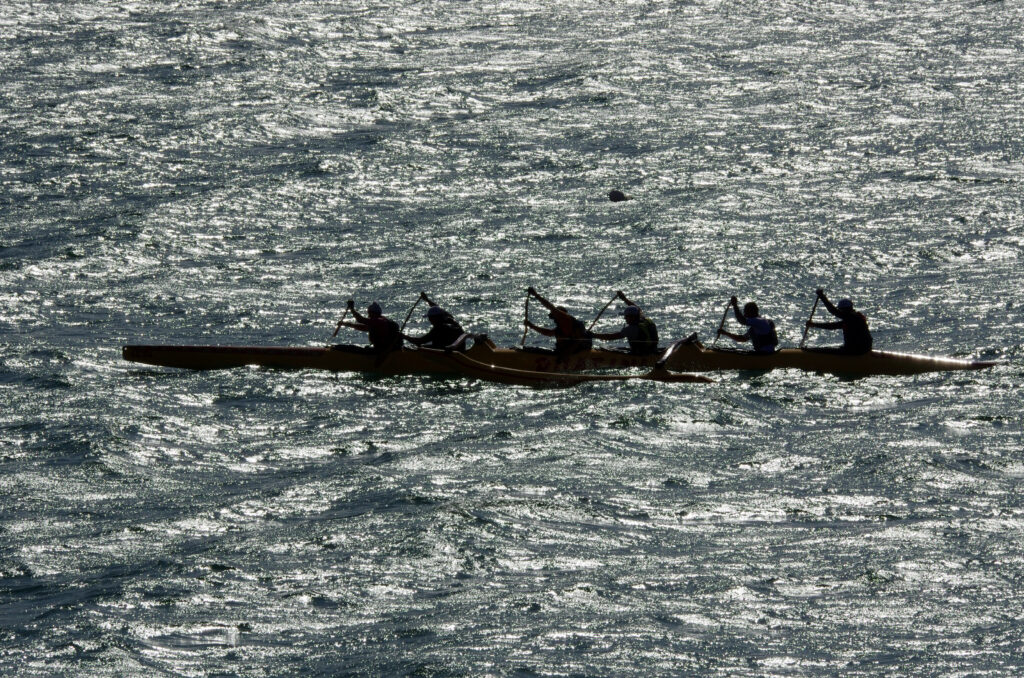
(601, 313)
(409, 314)
(526, 319)
(722, 324)
(807, 327)
(343, 315)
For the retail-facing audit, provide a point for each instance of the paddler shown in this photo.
(639, 330)
(760, 331)
(384, 332)
(856, 335)
(571, 335)
(444, 329)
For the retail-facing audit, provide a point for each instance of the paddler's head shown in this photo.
(845, 306)
(750, 310)
(435, 314)
(374, 310)
(632, 315)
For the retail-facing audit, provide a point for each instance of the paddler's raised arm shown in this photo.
(828, 304)
(424, 297)
(536, 295)
(361, 319)
(557, 314)
(360, 323)
(739, 316)
(622, 295)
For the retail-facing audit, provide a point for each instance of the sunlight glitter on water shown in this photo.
(197, 174)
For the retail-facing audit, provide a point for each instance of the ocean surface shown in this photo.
(233, 171)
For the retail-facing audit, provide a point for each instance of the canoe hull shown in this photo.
(694, 357)
(684, 357)
(341, 359)
(354, 359)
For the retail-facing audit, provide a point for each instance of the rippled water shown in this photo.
(231, 172)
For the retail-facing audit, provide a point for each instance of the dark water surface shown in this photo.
(231, 172)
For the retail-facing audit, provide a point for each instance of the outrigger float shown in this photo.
(513, 365)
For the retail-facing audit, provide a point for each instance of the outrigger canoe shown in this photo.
(688, 355)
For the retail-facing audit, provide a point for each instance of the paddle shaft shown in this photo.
(409, 314)
(809, 319)
(601, 313)
(722, 324)
(526, 319)
(343, 316)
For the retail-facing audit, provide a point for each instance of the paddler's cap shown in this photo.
(374, 309)
(845, 305)
(563, 309)
(631, 312)
(434, 311)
